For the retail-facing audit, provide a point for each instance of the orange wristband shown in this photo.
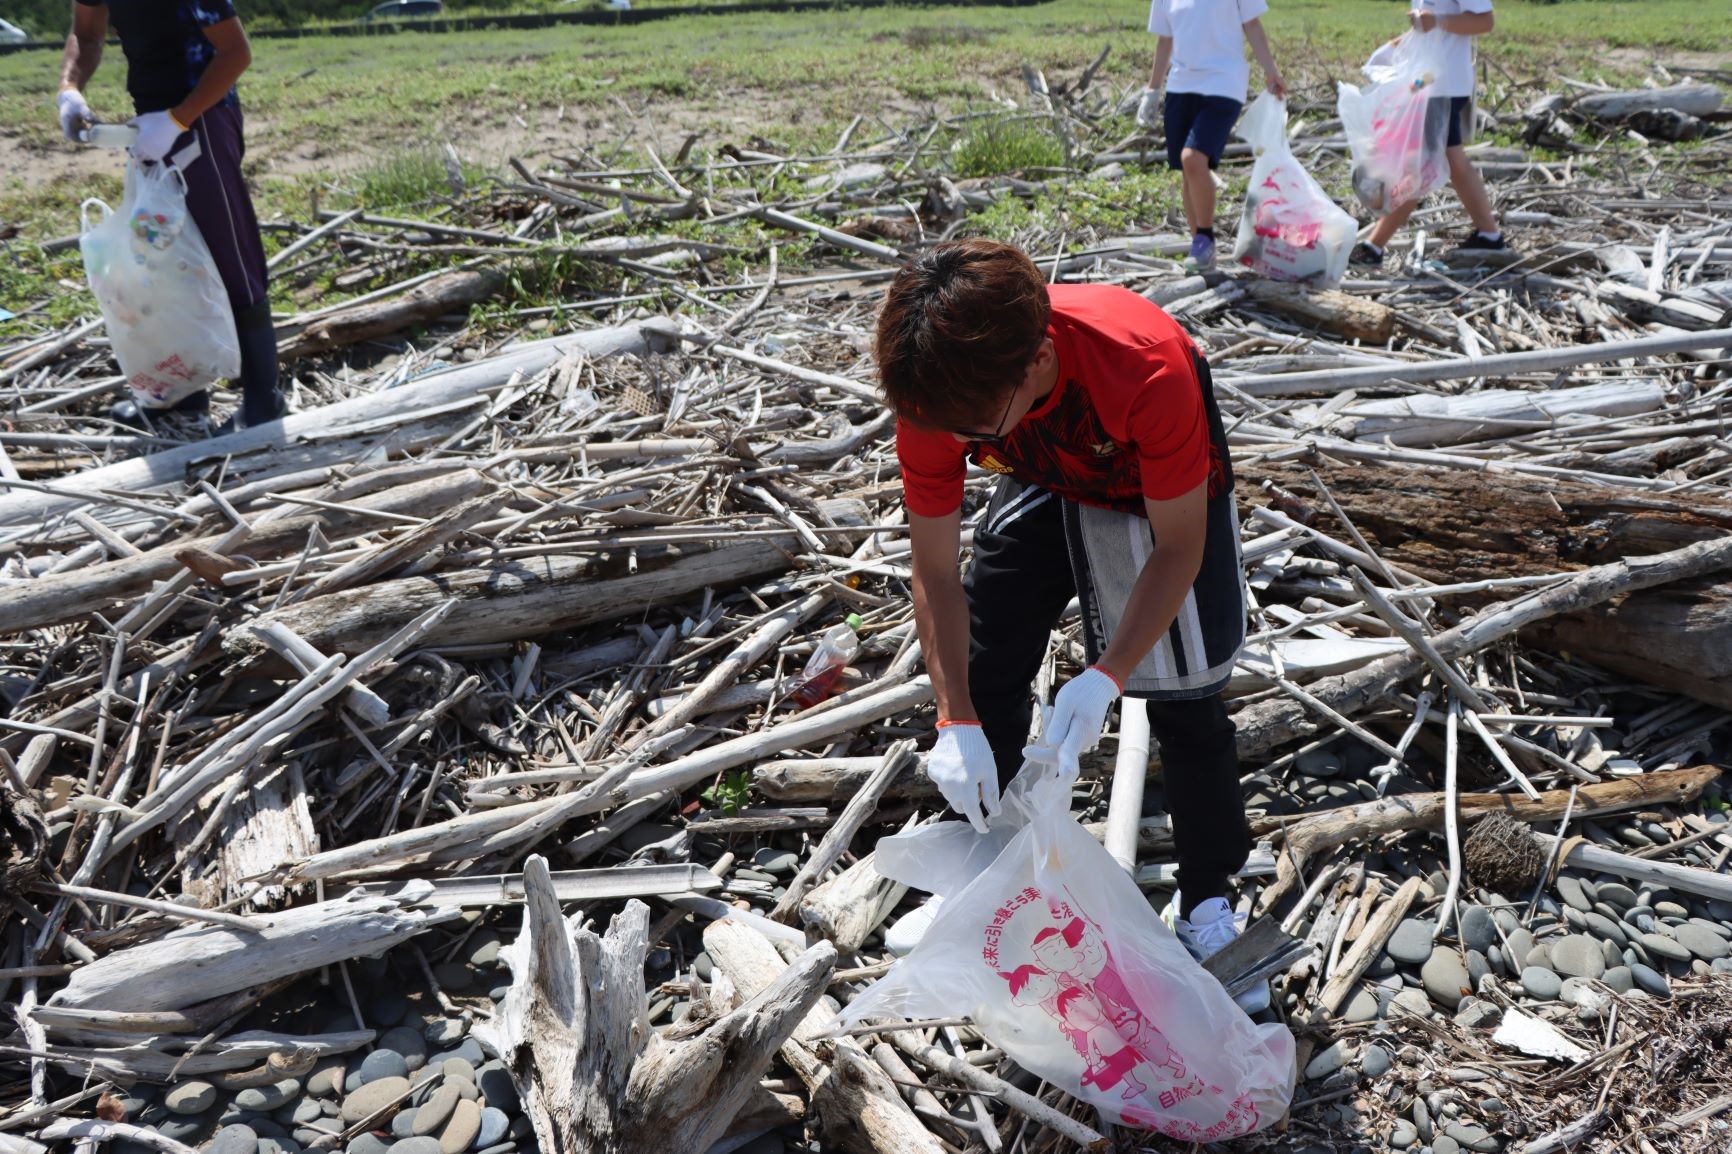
(944, 724)
(1102, 669)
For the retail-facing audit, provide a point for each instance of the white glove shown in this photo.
(157, 132)
(961, 765)
(1149, 109)
(1078, 713)
(75, 114)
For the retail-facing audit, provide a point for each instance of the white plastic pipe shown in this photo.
(1130, 770)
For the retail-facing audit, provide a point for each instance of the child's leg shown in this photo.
(1470, 187)
(1387, 226)
(1204, 145)
(1199, 190)
(1178, 114)
(1200, 768)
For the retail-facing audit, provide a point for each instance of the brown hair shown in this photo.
(959, 326)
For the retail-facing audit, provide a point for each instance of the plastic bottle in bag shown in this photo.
(839, 645)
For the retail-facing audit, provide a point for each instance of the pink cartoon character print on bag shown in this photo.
(1078, 955)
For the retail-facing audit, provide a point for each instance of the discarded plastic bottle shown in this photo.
(110, 136)
(839, 646)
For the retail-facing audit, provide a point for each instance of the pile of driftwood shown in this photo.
(499, 625)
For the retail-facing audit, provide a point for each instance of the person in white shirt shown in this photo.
(1204, 42)
(1461, 21)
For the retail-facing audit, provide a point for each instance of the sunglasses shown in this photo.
(997, 434)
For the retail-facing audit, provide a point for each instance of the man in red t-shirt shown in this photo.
(1115, 488)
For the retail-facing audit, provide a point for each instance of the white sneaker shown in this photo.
(901, 938)
(1210, 929)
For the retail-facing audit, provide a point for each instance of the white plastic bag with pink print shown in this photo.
(1060, 961)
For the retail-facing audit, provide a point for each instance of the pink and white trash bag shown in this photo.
(1290, 229)
(1060, 961)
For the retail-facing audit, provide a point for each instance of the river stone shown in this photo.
(1444, 1144)
(1521, 944)
(484, 950)
(1720, 966)
(327, 1078)
(234, 1139)
(460, 1132)
(1477, 968)
(1541, 983)
(283, 1145)
(1570, 889)
(1472, 1137)
(1605, 928)
(1474, 1014)
(458, 1068)
(403, 1123)
(436, 1111)
(383, 1064)
(264, 1099)
(1665, 947)
(776, 861)
(1619, 978)
(445, 1032)
(1403, 1135)
(497, 1087)
(373, 1096)
(1414, 1002)
(366, 1142)
(1328, 1060)
(188, 1128)
(494, 1123)
(1578, 956)
(191, 1098)
(425, 1144)
(1671, 910)
(468, 1049)
(466, 1090)
(1361, 1007)
(1539, 956)
(506, 1147)
(1411, 941)
(454, 976)
(1575, 918)
(1375, 1062)
(1477, 930)
(1701, 942)
(306, 1110)
(1444, 977)
(1651, 981)
(407, 1041)
(1617, 894)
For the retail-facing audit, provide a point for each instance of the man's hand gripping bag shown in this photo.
(1062, 963)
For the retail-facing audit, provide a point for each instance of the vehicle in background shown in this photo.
(12, 34)
(405, 10)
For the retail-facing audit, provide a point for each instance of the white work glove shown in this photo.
(1149, 109)
(961, 765)
(157, 132)
(1078, 713)
(75, 114)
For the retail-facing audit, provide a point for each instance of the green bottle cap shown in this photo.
(854, 621)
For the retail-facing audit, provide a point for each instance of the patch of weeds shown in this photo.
(730, 793)
(413, 176)
(1003, 145)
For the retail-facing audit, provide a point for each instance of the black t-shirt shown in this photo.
(165, 46)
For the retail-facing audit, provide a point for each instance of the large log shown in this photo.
(25, 512)
(1427, 419)
(1691, 99)
(58, 597)
(1465, 526)
(452, 292)
(573, 1030)
(1334, 312)
(529, 597)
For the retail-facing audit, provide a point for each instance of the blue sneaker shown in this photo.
(1202, 253)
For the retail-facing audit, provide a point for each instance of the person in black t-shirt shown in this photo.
(183, 58)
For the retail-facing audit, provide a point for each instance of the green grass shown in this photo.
(335, 121)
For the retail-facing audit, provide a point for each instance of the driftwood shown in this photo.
(1334, 312)
(1690, 99)
(190, 966)
(1310, 836)
(858, 1106)
(1468, 526)
(572, 1031)
(453, 292)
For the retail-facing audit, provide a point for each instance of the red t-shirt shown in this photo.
(1125, 421)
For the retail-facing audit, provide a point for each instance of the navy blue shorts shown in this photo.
(1200, 122)
(1459, 110)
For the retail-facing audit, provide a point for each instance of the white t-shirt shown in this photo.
(1457, 77)
(1208, 43)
